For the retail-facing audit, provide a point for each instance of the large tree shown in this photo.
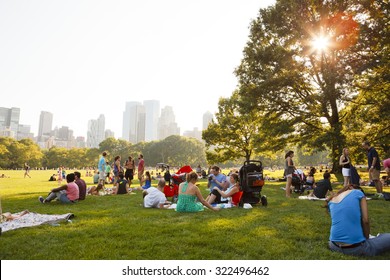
(302, 60)
(241, 131)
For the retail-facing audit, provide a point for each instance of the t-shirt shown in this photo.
(72, 192)
(371, 154)
(386, 163)
(323, 186)
(220, 178)
(102, 164)
(141, 164)
(154, 198)
(346, 219)
(122, 187)
(82, 188)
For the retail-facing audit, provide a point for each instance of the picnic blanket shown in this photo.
(34, 219)
(310, 197)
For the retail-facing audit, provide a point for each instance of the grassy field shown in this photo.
(118, 228)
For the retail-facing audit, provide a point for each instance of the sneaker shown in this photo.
(41, 199)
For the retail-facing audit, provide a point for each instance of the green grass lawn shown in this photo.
(118, 228)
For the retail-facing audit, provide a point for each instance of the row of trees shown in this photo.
(174, 150)
(293, 92)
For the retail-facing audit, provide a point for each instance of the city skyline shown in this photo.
(164, 125)
(80, 59)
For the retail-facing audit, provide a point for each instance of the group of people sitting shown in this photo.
(350, 229)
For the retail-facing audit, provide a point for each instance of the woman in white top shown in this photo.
(345, 163)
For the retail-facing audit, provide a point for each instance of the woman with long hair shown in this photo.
(189, 194)
(288, 171)
(345, 163)
(350, 229)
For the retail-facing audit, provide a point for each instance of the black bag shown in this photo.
(355, 178)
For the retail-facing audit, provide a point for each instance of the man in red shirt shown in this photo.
(81, 184)
(141, 168)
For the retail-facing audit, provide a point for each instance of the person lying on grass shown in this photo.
(350, 229)
(188, 195)
(230, 195)
(8, 216)
(155, 198)
(96, 190)
(68, 193)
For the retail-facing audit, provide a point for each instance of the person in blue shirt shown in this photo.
(102, 168)
(217, 179)
(350, 229)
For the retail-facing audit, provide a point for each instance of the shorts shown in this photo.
(346, 172)
(129, 174)
(140, 176)
(218, 197)
(102, 175)
(374, 174)
(289, 176)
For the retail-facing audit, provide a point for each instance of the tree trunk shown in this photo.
(338, 142)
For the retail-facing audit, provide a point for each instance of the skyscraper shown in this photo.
(207, 119)
(134, 122)
(96, 132)
(152, 114)
(9, 120)
(45, 125)
(166, 124)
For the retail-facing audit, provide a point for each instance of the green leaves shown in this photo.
(13, 153)
(289, 72)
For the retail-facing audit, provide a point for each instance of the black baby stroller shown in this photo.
(298, 181)
(252, 182)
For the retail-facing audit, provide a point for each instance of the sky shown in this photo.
(79, 59)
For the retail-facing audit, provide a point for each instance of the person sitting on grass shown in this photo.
(122, 186)
(230, 195)
(96, 190)
(155, 198)
(322, 187)
(310, 181)
(189, 193)
(350, 229)
(52, 178)
(68, 193)
(81, 184)
(146, 182)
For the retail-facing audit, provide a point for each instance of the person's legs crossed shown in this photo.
(378, 245)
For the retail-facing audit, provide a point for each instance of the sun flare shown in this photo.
(320, 43)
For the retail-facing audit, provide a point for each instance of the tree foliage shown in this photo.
(174, 150)
(13, 153)
(241, 131)
(283, 72)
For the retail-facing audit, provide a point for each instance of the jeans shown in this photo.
(371, 247)
(61, 196)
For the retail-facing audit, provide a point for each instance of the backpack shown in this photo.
(355, 178)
